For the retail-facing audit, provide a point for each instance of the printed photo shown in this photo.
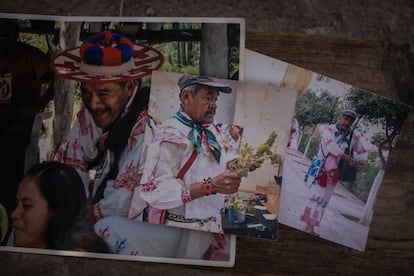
(340, 139)
(214, 154)
(74, 95)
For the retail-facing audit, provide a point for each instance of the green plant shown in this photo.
(239, 206)
(252, 158)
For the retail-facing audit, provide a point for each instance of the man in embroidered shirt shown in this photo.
(104, 145)
(335, 139)
(185, 178)
(106, 141)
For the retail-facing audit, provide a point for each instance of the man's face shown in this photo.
(345, 122)
(202, 106)
(106, 101)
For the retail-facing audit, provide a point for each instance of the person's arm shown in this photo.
(359, 151)
(161, 188)
(223, 183)
(41, 70)
(348, 159)
(329, 144)
(70, 152)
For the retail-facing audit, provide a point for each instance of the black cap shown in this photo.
(188, 80)
(350, 113)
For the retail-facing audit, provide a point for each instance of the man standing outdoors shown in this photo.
(336, 138)
(185, 177)
(25, 89)
(105, 143)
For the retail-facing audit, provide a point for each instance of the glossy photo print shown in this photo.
(74, 162)
(185, 182)
(340, 139)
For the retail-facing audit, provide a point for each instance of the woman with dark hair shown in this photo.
(52, 211)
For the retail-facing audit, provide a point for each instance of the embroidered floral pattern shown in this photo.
(97, 213)
(169, 134)
(128, 178)
(138, 129)
(186, 195)
(104, 234)
(151, 185)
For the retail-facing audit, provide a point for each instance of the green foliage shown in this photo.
(374, 109)
(234, 63)
(312, 109)
(36, 40)
(379, 138)
(180, 57)
(365, 177)
(252, 158)
(313, 146)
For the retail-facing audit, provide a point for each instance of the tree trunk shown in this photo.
(305, 152)
(368, 210)
(214, 51)
(64, 88)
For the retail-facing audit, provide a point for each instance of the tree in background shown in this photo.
(376, 110)
(312, 109)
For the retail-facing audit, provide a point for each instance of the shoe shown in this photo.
(313, 233)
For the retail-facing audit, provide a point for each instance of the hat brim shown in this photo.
(220, 87)
(146, 59)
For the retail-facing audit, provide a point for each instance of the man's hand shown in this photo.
(349, 160)
(226, 182)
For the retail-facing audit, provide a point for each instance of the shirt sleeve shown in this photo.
(162, 189)
(359, 151)
(329, 144)
(72, 153)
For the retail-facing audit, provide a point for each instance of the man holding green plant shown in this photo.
(186, 175)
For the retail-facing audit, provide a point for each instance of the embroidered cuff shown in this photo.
(186, 195)
(97, 213)
(208, 186)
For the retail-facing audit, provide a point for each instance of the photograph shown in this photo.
(74, 95)
(340, 140)
(214, 153)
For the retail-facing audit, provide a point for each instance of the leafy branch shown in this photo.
(251, 158)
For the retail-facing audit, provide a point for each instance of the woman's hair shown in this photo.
(63, 189)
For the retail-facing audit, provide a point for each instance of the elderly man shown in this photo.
(106, 141)
(336, 138)
(185, 178)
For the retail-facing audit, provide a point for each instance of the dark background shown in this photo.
(366, 43)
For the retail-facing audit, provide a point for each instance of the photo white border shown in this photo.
(224, 20)
(108, 256)
(241, 22)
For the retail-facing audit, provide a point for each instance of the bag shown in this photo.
(347, 172)
(322, 178)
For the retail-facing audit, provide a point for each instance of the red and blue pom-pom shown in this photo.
(106, 48)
